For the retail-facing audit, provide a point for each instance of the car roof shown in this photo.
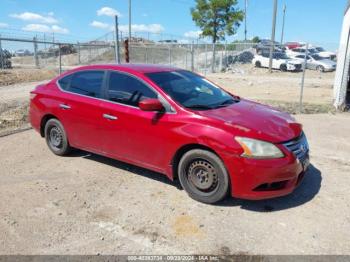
(132, 68)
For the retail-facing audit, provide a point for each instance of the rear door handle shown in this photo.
(64, 106)
(110, 117)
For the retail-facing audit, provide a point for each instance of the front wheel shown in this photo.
(283, 68)
(56, 137)
(320, 69)
(203, 176)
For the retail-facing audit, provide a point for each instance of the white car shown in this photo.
(300, 51)
(316, 62)
(326, 54)
(280, 61)
(312, 51)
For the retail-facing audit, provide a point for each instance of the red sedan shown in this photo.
(174, 122)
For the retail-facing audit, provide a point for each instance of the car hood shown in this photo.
(327, 62)
(326, 53)
(251, 119)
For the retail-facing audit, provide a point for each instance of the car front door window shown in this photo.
(127, 90)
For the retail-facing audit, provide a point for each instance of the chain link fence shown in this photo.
(38, 58)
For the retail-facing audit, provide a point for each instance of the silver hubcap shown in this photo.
(202, 175)
(56, 137)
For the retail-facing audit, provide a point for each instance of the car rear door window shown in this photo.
(128, 90)
(88, 83)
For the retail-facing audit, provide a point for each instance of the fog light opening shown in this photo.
(271, 186)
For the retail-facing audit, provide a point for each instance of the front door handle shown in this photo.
(110, 117)
(64, 106)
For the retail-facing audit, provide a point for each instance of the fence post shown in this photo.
(89, 57)
(36, 58)
(45, 56)
(225, 56)
(206, 59)
(1, 55)
(79, 61)
(116, 44)
(213, 59)
(146, 54)
(221, 59)
(59, 60)
(192, 57)
(303, 80)
(170, 54)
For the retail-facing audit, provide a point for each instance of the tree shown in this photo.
(256, 39)
(217, 18)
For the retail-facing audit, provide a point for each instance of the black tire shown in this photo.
(283, 68)
(257, 64)
(56, 137)
(203, 176)
(320, 68)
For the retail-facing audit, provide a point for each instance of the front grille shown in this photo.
(299, 147)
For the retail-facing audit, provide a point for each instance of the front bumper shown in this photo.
(294, 67)
(330, 69)
(262, 179)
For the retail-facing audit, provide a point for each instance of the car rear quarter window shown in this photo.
(128, 90)
(88, 83)
(65, 81)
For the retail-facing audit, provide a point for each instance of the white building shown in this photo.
(342, 76)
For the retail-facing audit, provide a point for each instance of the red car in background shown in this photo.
(174, 122)
(292, 45)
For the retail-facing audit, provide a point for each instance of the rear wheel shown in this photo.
(257, 64)
(56, 137)
(203, 175)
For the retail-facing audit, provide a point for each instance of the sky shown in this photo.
(315, 21)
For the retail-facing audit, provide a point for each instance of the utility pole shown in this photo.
(245, 20)
(303, 79)
(129, 20)
(1, 56)
(284, 17)
(116, 45)
(272, 47)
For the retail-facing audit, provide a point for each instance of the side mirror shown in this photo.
(151, 104)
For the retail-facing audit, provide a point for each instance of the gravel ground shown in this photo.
(87, 204)
(259, 84)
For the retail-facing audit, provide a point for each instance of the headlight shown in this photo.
(258, 149)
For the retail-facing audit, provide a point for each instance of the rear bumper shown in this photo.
(34, 117)
(262, 179)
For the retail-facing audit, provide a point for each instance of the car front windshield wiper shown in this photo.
(226, 103)
(200, 107)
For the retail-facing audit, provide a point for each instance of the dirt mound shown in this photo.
(13, 116)
(10, 77)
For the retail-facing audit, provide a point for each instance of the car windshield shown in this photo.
(317, 57)
(319, 49)
(191, 90)
(312, 51)
(280, 56)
